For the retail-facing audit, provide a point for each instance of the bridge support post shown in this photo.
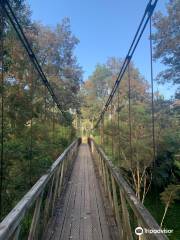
(127, 234)
(104, 175)
(48, 202)
(109, 187)
(99, 164)
(116, 207)
(34, 223)
(16, 233)
(61, 179)
(56, 188)
(65, 165)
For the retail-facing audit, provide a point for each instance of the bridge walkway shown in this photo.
(80, 214)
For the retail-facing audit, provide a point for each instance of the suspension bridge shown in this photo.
(82, 195)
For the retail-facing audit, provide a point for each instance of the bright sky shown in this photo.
(105, 28)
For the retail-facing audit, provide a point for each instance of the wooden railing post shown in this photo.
(127, 234)
(34, 223)
(68, 160)
(61, 179)
(65, 165)
(99, 161)
(16, 233)
(104, 176)
(109, 187)
(48, 202)
(116, 208)
(56, 188)
(92, 147)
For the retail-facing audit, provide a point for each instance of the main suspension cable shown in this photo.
(143, 23)
(17, 27)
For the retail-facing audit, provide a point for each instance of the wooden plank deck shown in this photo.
(80, 214)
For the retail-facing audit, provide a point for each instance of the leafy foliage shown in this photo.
(35, 132)
(166, 39)
(170, 194)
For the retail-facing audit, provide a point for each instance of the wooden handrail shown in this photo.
(113, 180)
(10, 226)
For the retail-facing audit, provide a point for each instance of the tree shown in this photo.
(55, 49)
(96, 91)
(35, 132)
(170, 194)
(166, 42)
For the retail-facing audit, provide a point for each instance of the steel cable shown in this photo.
(143, 23)
(129, 114)
(152, 93)
(2, 104)
(17, 27)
